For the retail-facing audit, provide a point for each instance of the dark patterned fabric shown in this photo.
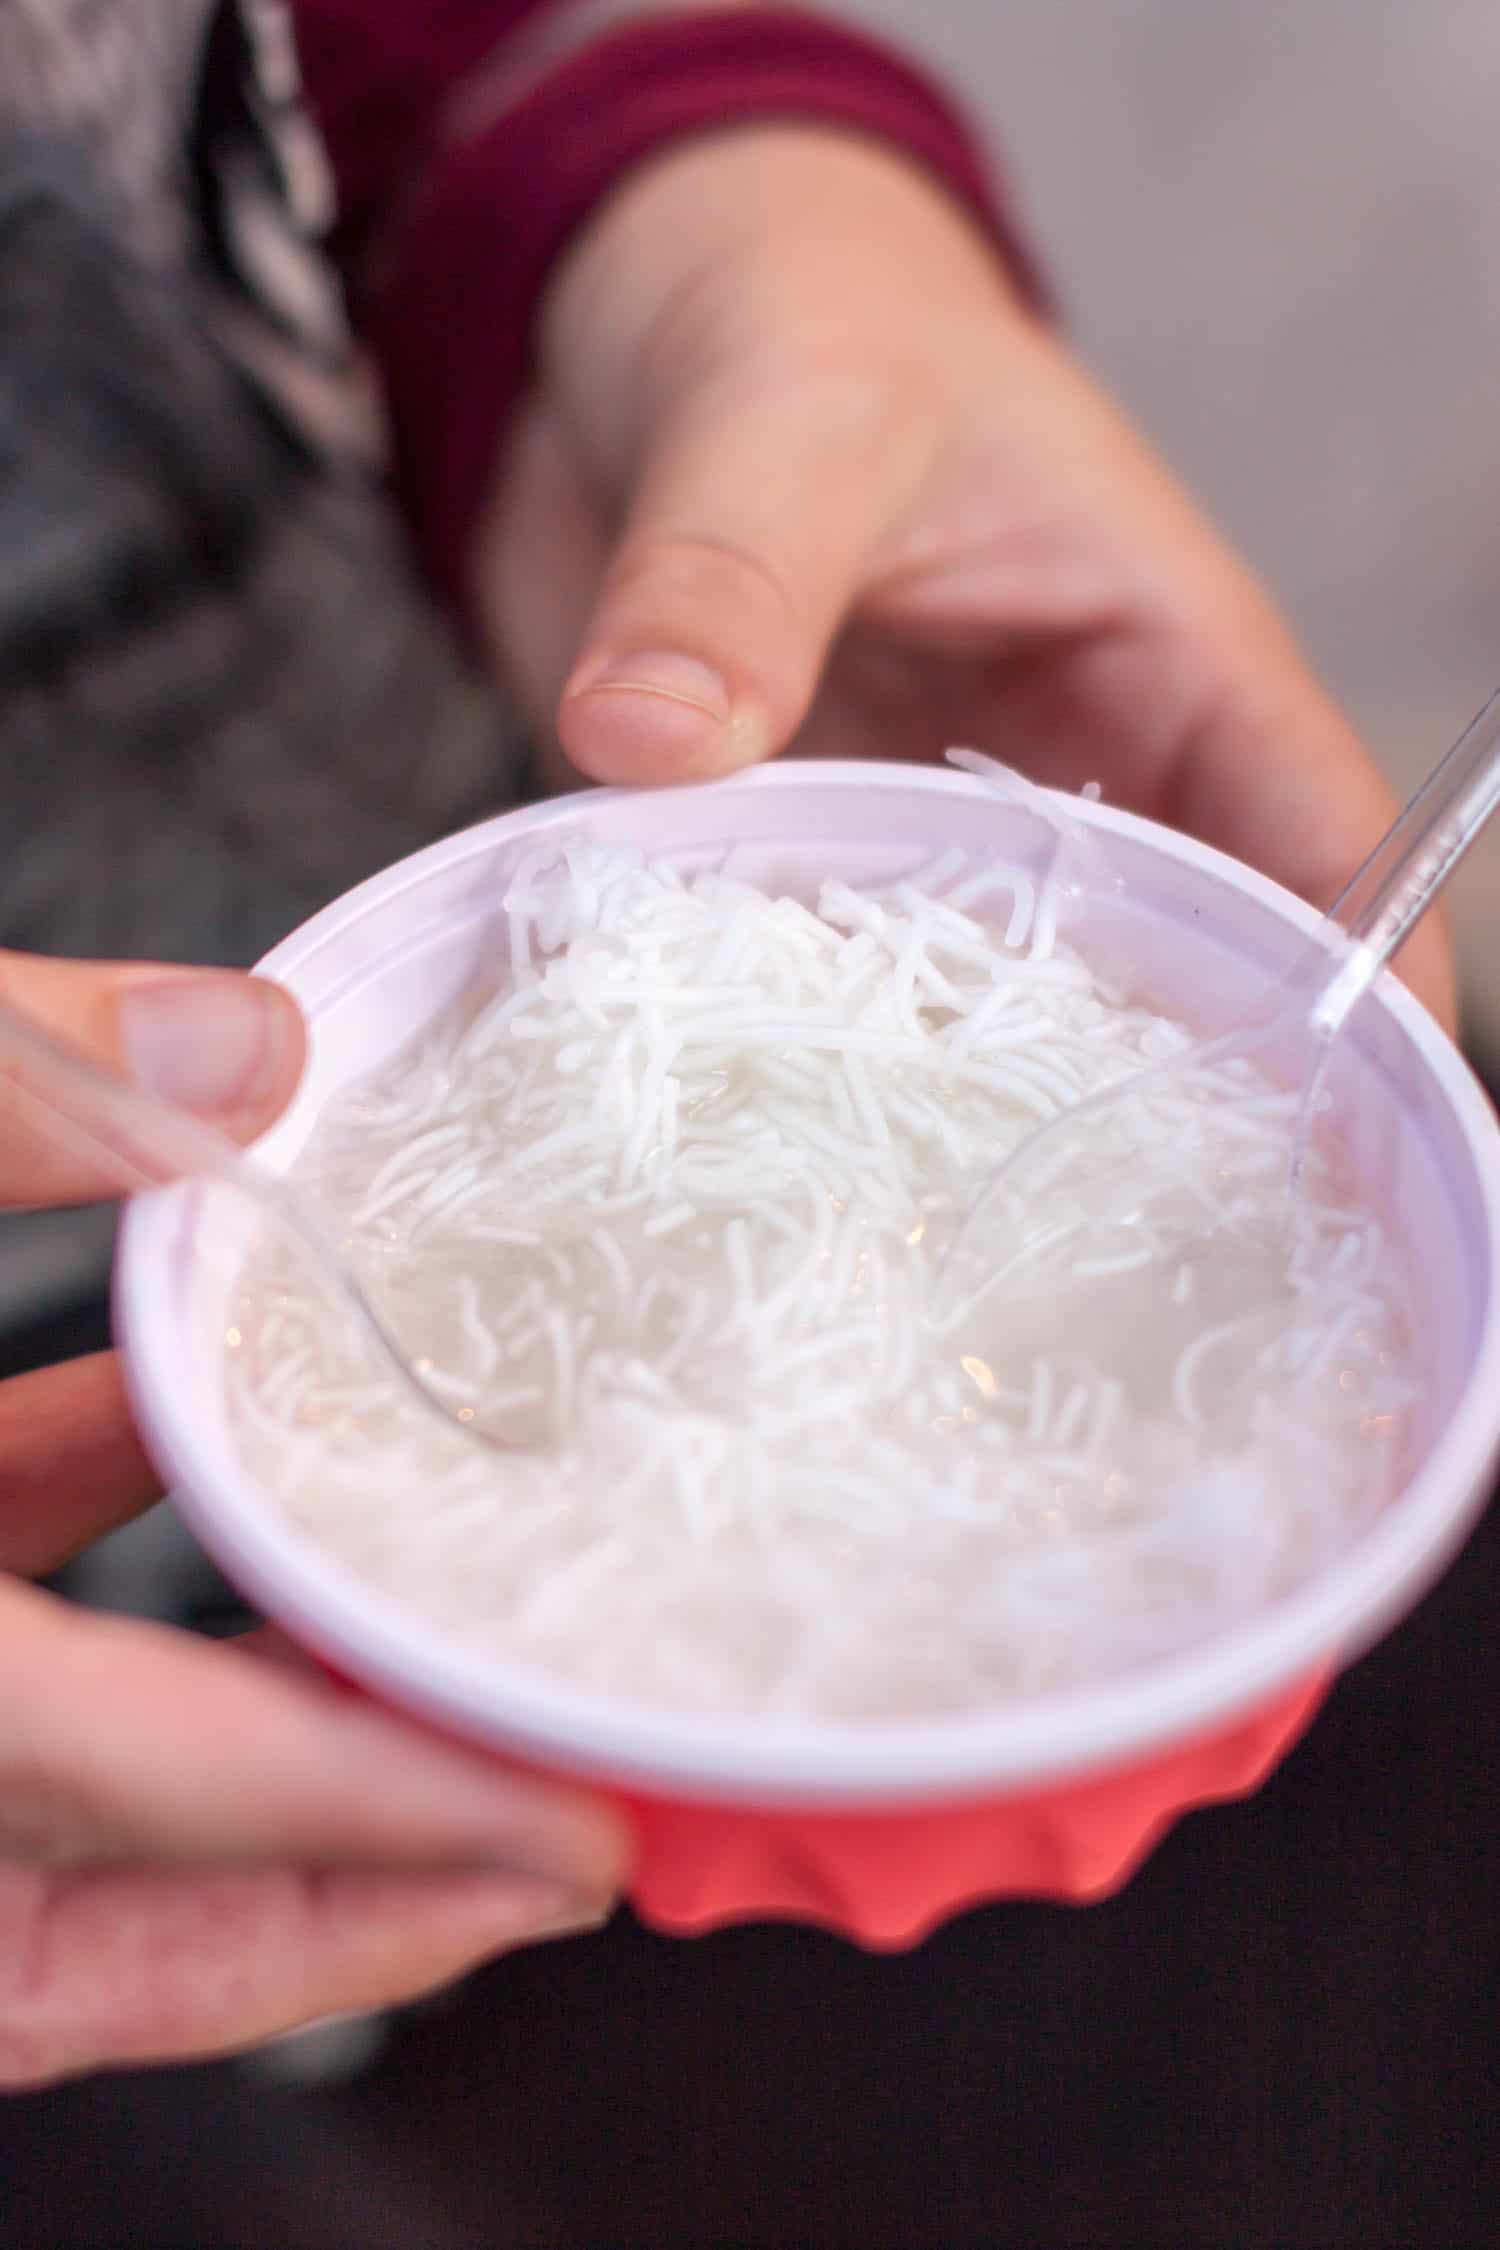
(222, 698)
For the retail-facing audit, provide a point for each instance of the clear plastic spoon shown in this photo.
(1077, 1163)
(134, 1140)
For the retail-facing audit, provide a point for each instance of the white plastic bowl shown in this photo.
(1204, 934)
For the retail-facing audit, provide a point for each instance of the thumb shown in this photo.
(229, 1047)
(753, 523)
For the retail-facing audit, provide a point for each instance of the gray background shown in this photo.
(1275, 228)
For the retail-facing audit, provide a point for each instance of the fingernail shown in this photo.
(681, 679)
(214, 1044)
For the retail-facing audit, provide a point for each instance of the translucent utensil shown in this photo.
(1074, 1159)
(134, 1140)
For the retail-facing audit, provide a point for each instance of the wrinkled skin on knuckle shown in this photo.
(109, 1968)
(705, 568)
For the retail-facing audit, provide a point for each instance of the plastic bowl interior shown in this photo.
(1202, 935)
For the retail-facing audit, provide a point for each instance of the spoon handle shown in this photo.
(130, 1139)
(1381, 904)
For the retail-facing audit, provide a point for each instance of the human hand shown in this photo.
(200, 1848)
(800, 471)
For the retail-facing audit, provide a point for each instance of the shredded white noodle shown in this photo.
(673, 1198)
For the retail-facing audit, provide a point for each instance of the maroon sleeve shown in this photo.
(447, 235)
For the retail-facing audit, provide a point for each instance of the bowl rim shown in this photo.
(368, 1637)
